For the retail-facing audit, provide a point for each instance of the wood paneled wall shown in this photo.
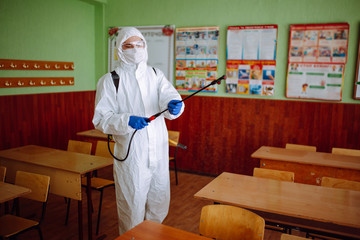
(221, 133)
(45, 119)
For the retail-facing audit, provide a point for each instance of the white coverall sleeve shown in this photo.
(106, 117)
(167, 92)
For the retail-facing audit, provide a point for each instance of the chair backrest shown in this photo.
(285, 236)
(345, 151)
(340, 183)
(102, 149)
(79, 146)
(39, 185)
(173, 138)
(300, 147)
(2, 173)
(274, 174)
(229, 222)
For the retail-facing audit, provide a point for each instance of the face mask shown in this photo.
(134, 55)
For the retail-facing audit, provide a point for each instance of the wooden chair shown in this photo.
(276, 175)
(229, 222)
(340, 183)
(79, 147)
(11, 225)
(99, 184)
(285, 236)
(174, 142)
(2, 173)
(300, 147)
(346, 151)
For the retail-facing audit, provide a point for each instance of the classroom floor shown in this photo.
(184, 211)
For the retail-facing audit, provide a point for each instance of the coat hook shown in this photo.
(2, 65)
(7, 84)
(72, 66)
(52, 82)
(20, 83)
(57, 66)
(36, 65)
(13, 65)
(66, 66)
(62, 82)
(47, 66)
(25, 66)
(71, 82)
(42, 82)
(32, 83)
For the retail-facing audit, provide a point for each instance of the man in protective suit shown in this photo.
(142, 181)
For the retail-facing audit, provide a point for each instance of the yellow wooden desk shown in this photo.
(64, 168)
(10, 191)
(309, 167)
(149, 230)
(330, 210)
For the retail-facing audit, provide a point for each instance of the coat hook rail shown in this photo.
(14, 64)
(35, 81)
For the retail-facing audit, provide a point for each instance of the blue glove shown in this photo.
(137, 122)
(174, 107)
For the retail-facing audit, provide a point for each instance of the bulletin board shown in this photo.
(160, 41)
(251, 59)
(357, 78)
(196, 57)
(316, 61)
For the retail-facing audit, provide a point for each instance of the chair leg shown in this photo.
(176, 177)
(99, 212)
(67, 211)
(40, 233)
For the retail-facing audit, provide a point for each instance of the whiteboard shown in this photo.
(160, 49)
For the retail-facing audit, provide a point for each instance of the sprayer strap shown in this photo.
(116, 79)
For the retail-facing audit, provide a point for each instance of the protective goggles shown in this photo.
(135, 44)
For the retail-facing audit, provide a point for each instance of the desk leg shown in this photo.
(80, 219)
(89, 201)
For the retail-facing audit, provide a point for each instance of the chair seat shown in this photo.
(12, 225)
(98, 183)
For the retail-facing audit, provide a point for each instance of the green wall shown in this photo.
(52, 30)
(224, 13)
(76, 30)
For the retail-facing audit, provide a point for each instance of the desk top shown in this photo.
(10, 191)
(94, 133)
(58, 159)
(149, 230)
(306, 157)
(323, 204)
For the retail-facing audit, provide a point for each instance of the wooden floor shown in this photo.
(184, 211)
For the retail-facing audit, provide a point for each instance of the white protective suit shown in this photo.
(142, 181)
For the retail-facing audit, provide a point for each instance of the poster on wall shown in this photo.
(316, 61)
(251, 54)
(196, 57)
(160, 41)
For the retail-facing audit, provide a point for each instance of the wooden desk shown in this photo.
(64, 168)
(92, 136)
(149, 230)
(10, 191)
(309, 167)
(331, 210)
